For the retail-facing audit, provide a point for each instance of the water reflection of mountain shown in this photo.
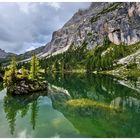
(95, 87)
(104, 89)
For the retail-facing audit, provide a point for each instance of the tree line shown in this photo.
(102, 57)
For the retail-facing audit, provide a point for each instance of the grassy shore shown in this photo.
(123, 73)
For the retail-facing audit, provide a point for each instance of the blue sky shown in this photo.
(25, 26)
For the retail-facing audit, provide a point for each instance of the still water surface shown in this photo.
(46, 115)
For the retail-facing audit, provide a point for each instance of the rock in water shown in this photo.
(24, 87)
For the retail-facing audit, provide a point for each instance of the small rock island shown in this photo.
(23, 81)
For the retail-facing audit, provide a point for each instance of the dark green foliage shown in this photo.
(73, 58)
(34, 113)
(105, 57)
(99, 58)
(95, 60)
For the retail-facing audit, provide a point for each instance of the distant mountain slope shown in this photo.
(28, 54)
(5, 57)
(4, 54)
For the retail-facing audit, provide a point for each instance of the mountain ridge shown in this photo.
(4, 54)
(118, 21)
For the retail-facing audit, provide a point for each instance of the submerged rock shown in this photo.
(23, 87)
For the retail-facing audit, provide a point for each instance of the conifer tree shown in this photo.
(13, 68)
(35, 68)
(24, 72)
(11, 74)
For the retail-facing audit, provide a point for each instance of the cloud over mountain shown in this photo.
(25, 26)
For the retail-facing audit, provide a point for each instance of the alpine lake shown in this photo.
(75, 106)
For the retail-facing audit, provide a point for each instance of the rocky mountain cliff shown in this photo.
(4, 54)
(117, 21)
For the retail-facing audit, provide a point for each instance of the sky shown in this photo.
(26, 26)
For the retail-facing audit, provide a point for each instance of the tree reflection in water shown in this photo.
(21, 105)
(34, 112)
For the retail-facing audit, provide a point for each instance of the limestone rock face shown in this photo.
(118, 21)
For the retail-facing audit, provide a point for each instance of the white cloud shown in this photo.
(55, 5)
(24, 7)
(31, 48)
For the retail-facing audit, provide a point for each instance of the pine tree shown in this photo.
(24, 72)
(11, 74)
(13, 69)
(57, 66)
(35, 68)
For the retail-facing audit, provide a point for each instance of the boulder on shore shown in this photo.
(24, 87)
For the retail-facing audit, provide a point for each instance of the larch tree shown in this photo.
(24, 72)
(35, 68)
(11, 74)
(13, 68)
